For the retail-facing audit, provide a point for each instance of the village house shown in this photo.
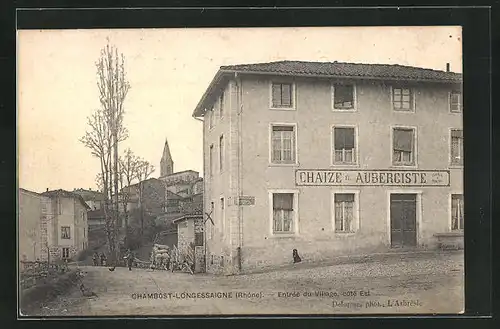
(329, 159)
(53, 224)
(29, 225)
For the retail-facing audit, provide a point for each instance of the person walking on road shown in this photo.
(95, 259)
(130, 259)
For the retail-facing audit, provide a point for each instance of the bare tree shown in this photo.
(144, 171)
(106, 131)
(129, 165)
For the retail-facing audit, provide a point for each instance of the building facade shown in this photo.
(64, 224)
(30, 225)
(330, 159)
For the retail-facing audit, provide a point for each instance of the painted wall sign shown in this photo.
(324, 177)
(246, 200)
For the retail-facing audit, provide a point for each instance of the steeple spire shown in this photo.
(166, 164)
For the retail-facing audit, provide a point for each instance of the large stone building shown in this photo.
(330, 159)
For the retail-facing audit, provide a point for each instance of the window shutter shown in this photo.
(344, 197)
(457, 134)
(283, 201)
(286, 95)
(276, 95)
(403, 140)
(344, 138)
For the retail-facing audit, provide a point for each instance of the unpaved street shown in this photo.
(396, 284)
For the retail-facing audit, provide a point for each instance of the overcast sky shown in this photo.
(169, 70)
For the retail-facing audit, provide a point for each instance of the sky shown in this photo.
(169, 70)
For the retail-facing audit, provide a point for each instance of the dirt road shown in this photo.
(427, 284)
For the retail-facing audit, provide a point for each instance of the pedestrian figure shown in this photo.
(167, 259)
(296, 257)
(95, 259)
(130, 259)
(103, 259)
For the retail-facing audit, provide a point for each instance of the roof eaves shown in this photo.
(200, 109)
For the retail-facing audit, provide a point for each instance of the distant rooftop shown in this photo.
(65, 194)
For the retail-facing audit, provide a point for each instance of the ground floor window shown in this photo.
(457, 212)
(198, 239)
(283, 212)
(344, 212)
(65, 252)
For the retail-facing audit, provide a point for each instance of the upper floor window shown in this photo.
(221, 153)
(211, 119)
(403, 146)
(221, 105)
(344, 149)
(456, 102)
(283, 144)
(282, 95)
(343, 97)
(65, 232)
(457, 212)
(457, 147)
(402, 99)
(211, 160)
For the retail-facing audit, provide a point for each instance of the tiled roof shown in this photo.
(341, 69)
(383, 72)
(65, 194)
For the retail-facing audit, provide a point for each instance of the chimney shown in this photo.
(90, 188)
(47, 189)
(447, 67)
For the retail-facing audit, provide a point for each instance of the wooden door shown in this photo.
(403, 220)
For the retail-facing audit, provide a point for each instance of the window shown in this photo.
(221, 105)
(211, 121)
(282, 95)
(456, 102)
(221, 153)
(212, 259)
(65, 232)
(402, 99)
(211, 160)
(222, 216)
(198, 239)
(343, 97)
(65, 253)
(344, 212)
(403, 146)
(283, 212)
(457, 212)
(283, 144)
(457, 147)
(59, 206)
(344, 151)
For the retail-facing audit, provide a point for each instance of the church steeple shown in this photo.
(166, 164)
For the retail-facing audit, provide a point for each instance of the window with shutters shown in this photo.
(283, 212)
(221, 153)
(344, 212)
(403, 146)
(282, 96)
(457, 212)
(65, 232)
(283, 144)
(457, 147)
(65, 253)
(456, 102)
(344, 97)
(344, 145)
(402, 99)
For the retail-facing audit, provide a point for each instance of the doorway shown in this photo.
(403, 220)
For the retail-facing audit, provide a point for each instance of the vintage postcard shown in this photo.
(240, 171)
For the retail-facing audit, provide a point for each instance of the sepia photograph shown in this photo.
(240, 171)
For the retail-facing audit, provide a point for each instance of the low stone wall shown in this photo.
(34, 298)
